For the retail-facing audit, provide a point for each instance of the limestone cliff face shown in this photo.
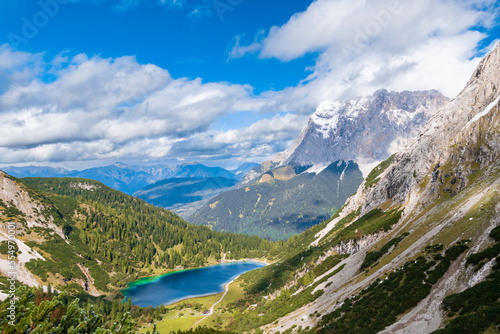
(355, 245)
(459, 140)
(366, 130)
(14, 195)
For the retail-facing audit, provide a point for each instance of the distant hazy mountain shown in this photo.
(283, 203)
(244, 169)
(36, 171)
(174, 192)
(184, 170)
(117, 176)
(126, 178)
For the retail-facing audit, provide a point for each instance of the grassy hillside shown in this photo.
(304, 274)
(280, 207)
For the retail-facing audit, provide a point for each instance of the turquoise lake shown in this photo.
(176, 286)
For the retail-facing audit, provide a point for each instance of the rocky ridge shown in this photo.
(13, 195)
(458, 141)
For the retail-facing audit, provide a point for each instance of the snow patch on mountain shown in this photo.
(484, 112)
(316, 169)
(366, 130)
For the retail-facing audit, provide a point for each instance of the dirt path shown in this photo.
(211, 311)
(90, 281)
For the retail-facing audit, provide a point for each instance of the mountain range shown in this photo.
(366, 130)
(177, 192)
(302, 186)
(123, 177)
(200, 182)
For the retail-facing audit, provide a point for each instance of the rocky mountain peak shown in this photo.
(366, 130)
(456, 142)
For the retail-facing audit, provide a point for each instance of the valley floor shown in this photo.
(190, 313)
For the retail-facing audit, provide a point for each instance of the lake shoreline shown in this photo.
(152, 279)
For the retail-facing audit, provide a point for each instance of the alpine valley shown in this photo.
(416, 249)
(307, 183)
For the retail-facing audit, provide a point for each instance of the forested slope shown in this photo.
(91, 236)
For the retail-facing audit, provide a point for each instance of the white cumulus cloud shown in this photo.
(101, 108)
(364, 45)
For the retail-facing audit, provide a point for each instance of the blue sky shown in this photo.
(171, 36)
(90, 82)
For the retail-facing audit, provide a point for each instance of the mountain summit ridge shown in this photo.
(455, 125)
(366, 130)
